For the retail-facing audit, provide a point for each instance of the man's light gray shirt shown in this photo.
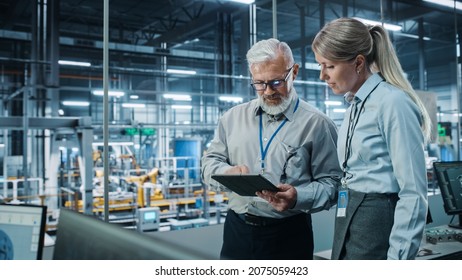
(307, 142)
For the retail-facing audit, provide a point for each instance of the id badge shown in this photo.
(342, 203)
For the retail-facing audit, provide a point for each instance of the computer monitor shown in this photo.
(84, 237)
(148, 219)
(22, 231)
(449, 178)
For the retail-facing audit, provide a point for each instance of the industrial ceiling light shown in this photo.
(74, 63)
(425, 38)
(177, 97)
(183, 72)
(133, 105)
(115, 93)
(332, 103)
(446, 3)
(244, 1)
(388, 26)
(134, 96)
(76, 103)
(227, 98)
(195, 40)
(182, 107)
(113, 143)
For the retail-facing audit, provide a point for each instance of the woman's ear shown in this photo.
(360, 63)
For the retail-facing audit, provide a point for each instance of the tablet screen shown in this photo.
(245, 184)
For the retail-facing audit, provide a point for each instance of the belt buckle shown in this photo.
(252, 220)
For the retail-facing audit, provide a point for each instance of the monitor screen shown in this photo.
(22, 231)
(150, 215)
(449, 177)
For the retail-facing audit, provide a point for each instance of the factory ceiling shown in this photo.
(147, 37)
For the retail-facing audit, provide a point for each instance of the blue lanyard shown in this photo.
(263, 151)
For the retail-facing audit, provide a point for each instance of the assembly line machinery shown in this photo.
(73, 176)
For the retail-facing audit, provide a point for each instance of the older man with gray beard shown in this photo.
(289, 142)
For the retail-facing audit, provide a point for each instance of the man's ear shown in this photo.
(295, 71)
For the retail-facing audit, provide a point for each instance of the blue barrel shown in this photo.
(190, 148)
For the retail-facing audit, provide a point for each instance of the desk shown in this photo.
(443, 250)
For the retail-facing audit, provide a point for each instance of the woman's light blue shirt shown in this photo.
(387, 156)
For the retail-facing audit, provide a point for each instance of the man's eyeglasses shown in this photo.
(274, 84)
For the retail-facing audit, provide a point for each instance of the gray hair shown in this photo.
(267, 50)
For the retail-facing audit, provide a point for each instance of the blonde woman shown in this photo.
(382, 205)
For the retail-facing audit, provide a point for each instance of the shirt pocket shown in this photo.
(295, 168)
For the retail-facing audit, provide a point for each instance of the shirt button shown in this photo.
(265, 139)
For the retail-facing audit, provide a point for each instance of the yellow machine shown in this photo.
(151, 177)
(97, 158)
(132, 158)
(146, 184)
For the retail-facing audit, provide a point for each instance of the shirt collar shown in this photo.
(365, 89)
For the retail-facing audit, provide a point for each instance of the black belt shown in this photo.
(259, 221)
(393, 196)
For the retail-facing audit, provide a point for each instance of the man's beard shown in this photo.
(276, 109)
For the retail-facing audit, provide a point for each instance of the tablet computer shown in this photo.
(245, 184)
